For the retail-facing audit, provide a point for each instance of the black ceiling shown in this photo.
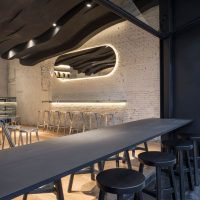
(90, 61)
(27, 31)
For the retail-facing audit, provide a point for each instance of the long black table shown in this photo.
(25, 168)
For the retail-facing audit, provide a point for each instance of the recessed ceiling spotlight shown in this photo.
(54, 24)
(89, 5)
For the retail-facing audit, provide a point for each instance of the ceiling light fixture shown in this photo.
(89, 5)
(54, 24)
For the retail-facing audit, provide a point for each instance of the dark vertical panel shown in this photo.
(187, 64)
(186, 11)
(187, 73)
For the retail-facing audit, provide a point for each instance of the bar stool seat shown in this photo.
(120, 181)
(162, 161)
(178, 144)
(156, 158)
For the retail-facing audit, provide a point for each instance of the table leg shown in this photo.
(128, 159)
(59, 189)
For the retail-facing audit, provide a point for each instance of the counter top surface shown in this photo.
(23, 169)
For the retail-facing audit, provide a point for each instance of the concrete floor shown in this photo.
(85, 189)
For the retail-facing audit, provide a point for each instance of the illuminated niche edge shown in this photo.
(97, 77)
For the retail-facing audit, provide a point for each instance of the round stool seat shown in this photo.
(178, 144)
(193, 136)
(120, 181)
(156, 158)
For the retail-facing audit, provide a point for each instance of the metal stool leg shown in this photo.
(37, 136)
(3, 140)
(27, 138)
(71, 179)
(158, 184)
(15, 137)
(30, 137)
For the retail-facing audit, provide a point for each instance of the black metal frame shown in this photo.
(167, 55)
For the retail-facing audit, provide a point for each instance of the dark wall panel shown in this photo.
(186, 11)
(187, 65)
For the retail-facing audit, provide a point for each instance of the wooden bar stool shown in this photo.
(182, 148)
(121, 182)
(195, 138)
(162, 161)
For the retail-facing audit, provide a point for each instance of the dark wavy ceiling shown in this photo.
(90, 61)
(26, 30)
(27, 33)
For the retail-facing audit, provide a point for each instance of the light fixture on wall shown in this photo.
(89, 104)
(89, 5)
(54, 24)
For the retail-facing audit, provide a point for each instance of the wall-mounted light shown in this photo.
(83, 104)
(31, 43)
(89, 5)
(54, 24)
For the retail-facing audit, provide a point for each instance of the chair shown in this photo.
(56, 117)
(120, 182)
(46, 119)
(181, 148)
(195, 138)
(28, 131)
(65, 121)
(161, 161)
(77, 122)
(40, 120)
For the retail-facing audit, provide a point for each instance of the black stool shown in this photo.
(120, 181)
(195, 138)
(162, 161)
(182, 147)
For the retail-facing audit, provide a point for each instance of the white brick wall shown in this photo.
(136, 79)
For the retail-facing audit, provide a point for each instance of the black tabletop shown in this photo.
(23, 169)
